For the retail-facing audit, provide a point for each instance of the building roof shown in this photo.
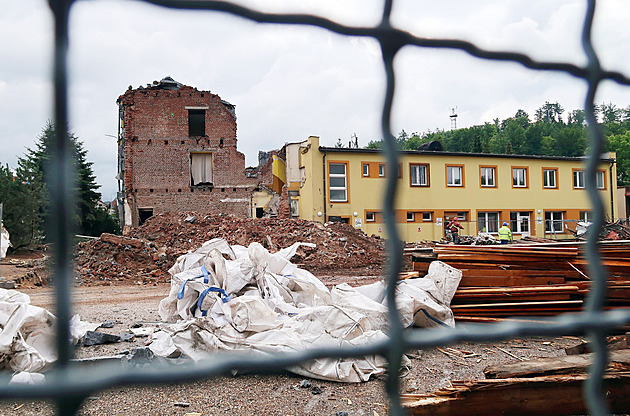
(324, 149)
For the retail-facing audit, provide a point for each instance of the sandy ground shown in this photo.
(278, 394)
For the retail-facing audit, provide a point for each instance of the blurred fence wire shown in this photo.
(68, 389)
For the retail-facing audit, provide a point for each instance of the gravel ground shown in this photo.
(278, 394)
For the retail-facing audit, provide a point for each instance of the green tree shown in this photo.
(21, 207)
(88, 216)
(550, 113)
(621, 145)
(610, 113)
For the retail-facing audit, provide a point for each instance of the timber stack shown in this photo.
(526, 280)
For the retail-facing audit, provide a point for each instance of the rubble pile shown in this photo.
(147, 252)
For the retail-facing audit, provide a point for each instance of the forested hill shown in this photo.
(551, 132)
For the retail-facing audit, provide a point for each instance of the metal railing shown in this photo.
(69, 389)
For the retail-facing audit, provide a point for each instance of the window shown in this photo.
(488, 222)
(426, 216)
(338, 185)
(519, 222)
(454, 175)
(381, 170)
(578, 179)
(366, 169)
(200, 169)
(601, 179)
(196, 122)
(369, 216)
(549, 178)
(519, 177)
(487, 176)
(553, 221)
(411, 216)
(418, 175)
(586, 216)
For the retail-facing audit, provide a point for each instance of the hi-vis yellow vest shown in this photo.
(504, 233)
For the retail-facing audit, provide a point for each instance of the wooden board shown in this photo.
(571, 364)
(545, 396)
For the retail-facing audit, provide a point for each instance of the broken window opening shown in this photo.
(196, 123)
(144, 214)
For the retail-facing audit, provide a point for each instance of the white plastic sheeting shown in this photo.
(5, 243)
(27, 335)
(255, 301)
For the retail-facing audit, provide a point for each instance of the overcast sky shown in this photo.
(290, 82)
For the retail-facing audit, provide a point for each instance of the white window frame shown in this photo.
(418, 168)
(489, 179)
(518, 180)
(370, 216)
(578, 179)
(551, 222)
(549, 175)
(486, 220)
(426, 216)
(381, 170)
(411, 216)
(601, 174)
(338, 188)
(366, 169)
(450, 176)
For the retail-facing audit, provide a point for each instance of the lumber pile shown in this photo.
(525, 280)
(544, 386)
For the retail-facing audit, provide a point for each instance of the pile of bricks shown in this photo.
(147, 252)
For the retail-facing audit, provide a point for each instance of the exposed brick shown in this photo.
(157, 151)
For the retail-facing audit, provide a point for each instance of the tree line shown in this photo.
(551, 132)
(26, 200)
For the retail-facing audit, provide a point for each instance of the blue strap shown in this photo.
(224, 297)
(182, 287)
(205, 274)
(434, 319)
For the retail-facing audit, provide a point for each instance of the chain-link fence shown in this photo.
(68, 389)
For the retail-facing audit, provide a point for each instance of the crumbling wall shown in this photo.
(157, 153)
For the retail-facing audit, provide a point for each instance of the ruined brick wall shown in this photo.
(284, 211)
(158, 151)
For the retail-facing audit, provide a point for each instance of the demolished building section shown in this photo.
(177, 151)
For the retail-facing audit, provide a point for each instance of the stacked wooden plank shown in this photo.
(527, 280)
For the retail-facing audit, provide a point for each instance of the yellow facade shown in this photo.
(536, 195)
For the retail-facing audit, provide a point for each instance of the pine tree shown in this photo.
(34, 167)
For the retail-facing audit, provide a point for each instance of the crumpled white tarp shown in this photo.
(255, 301)
(27, 335)
(5, 243)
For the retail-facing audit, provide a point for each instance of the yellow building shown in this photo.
(536, 195)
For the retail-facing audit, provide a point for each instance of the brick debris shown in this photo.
(147, 252)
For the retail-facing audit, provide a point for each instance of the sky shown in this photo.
(291, 82)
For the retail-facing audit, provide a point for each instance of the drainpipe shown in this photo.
(612, 192)
(324, 183)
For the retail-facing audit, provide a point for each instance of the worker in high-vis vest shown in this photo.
(505, 234)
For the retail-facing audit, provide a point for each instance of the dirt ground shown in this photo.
(278, 394)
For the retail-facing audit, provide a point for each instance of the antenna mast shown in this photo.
(453, 117)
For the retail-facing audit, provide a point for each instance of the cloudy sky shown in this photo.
(290, 82)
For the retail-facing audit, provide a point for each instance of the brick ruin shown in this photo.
(177, 151)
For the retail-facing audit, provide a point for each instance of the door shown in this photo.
(522, 224)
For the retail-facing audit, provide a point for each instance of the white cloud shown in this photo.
(289, 82)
